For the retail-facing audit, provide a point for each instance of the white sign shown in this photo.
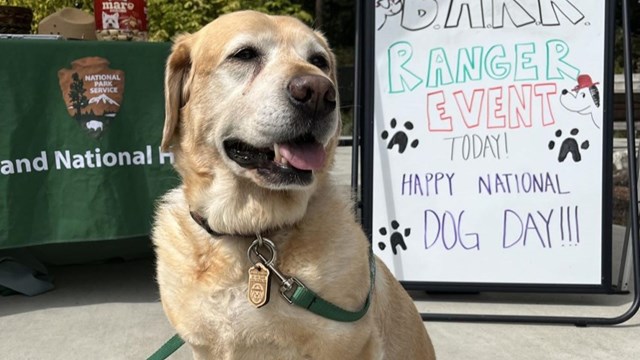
(488, 149)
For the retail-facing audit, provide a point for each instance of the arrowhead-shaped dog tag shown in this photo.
(258, 291)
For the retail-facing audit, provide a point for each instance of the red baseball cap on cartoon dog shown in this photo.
(584, 81)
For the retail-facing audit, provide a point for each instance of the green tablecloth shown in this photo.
(80, 131)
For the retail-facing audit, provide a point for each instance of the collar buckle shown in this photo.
(289, 288)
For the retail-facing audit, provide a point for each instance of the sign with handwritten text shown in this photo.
(489, 132)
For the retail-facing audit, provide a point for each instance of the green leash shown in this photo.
(307, 299)
(300, 296)
(296, 293)
(168, 348)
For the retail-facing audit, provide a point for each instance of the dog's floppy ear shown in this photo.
(176, 87)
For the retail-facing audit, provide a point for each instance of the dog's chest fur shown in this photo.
(208, 303)
(234, 329)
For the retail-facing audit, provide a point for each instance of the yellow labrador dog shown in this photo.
(252, 117)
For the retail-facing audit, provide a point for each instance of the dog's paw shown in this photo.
(400, 138)
(396, 238)
(569, 146)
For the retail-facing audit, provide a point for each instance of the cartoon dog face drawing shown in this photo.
(110, 21)
(583, 99)
(387, 8)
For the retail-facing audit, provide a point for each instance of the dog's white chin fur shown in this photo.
(246, 203)
(245, 206)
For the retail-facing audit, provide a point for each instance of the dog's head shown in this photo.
(584, 101)
(251, 104)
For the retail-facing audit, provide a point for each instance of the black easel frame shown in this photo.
(363, 136)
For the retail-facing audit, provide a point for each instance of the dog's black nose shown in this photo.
(314, 93)
(564, 91)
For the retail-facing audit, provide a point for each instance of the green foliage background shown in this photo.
(634, 24)
(169, 17)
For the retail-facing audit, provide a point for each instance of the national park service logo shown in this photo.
(92, 92)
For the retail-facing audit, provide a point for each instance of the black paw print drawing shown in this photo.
(396, 238)
(569, 146)
(400, 138)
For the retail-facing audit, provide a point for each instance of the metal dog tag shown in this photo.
(258, 291)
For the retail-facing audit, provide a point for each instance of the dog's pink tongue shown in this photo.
(303, 156)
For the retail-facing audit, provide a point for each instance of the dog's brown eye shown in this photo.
(319, 61)
(246, 54)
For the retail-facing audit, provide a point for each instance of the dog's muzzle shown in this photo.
(286, 163)
(293, 157)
